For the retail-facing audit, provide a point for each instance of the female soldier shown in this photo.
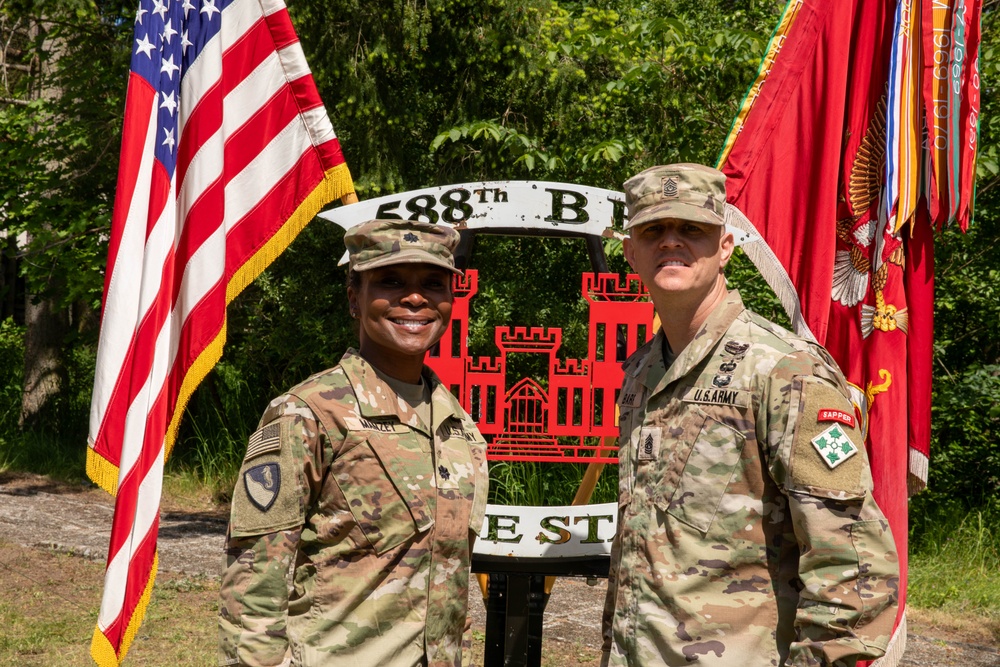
(352, 520)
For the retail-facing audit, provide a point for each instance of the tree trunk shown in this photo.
(46, 324)
(44, 376)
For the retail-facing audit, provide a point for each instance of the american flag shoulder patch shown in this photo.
(264, 440)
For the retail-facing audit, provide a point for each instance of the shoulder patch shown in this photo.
(834, 446)
(263, 482)
(269, 493)
(264, 440)
(824, 456)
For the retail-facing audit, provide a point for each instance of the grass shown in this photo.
(530, 483)
(49, 610)
(955, 563)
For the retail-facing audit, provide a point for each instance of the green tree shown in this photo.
(60, 124)
(393, 73)
(612, 88)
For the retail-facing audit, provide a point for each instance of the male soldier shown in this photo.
(747, 530)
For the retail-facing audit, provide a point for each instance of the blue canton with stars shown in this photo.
(169, 35)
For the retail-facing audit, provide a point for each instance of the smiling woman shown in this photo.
(403, 310)
(363, 486)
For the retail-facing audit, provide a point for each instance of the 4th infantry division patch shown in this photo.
(834, 446)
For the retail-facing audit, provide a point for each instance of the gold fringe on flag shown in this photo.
(101, 649)
(102, 472)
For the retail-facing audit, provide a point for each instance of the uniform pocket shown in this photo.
(383, 494)
(878, 569)
(706, 475)
(481, 490)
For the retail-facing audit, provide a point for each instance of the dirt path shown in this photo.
(40, 513)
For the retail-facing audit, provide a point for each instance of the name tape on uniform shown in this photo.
(735, 397)
(364, 424)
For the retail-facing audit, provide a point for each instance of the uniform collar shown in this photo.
(654, 373)
(377, 399)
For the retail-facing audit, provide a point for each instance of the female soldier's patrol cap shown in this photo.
(385, 242)
(680, 191)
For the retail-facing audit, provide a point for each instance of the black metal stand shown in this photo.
(514, 610)
(515, 604)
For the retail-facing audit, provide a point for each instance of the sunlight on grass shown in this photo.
(955, 564)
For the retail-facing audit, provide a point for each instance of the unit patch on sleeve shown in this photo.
(834, 446)
(263, 482)
(825, 458)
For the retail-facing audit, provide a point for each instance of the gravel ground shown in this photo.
(38, 512)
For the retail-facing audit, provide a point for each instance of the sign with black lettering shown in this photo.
(568, 531)
(496, 204)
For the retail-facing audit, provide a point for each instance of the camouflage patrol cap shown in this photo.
(385, 242)
(682, 191)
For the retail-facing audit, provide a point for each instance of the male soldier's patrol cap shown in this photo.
(385, 242)
(682, 191)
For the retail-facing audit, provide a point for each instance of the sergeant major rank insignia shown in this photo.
(834, 446)
(670, 188)
(262, 483)
(649, 443)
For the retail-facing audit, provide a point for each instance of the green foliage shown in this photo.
(60, 150)
(393, 73)
(966, 419)
(57, 449)
(11, 372)
(546, 484)
(609, 91)
(955, 559)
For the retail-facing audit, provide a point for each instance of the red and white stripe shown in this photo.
(254, 143)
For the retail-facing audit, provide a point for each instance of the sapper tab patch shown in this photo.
(831, 415)
(263, 482)
(834, 446)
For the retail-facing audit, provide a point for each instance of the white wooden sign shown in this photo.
(548, 532)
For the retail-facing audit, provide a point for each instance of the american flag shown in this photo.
(227, 152)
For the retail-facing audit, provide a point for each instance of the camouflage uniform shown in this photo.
(349, 541)
(747, 530)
